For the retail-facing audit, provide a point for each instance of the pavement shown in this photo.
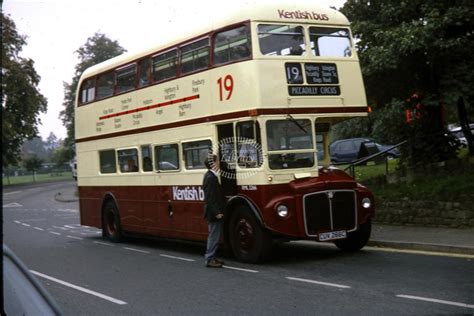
(419, 238)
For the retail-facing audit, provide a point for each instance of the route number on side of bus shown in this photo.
(227, 84)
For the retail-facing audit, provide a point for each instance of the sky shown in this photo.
(55, 29)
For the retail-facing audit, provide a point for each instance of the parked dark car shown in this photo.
(457, 132)
(348, 150)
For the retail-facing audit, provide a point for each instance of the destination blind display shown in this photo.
(324, 75)
(313, 90)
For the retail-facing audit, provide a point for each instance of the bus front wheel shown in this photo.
(249, 241)
(111, 223)
(356, 240)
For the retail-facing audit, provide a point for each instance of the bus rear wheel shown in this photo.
(249, 241)
(356, 240)
(111, 228)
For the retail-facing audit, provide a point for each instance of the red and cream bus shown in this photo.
(262, 90)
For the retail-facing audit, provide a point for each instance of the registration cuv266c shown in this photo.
(332, 235)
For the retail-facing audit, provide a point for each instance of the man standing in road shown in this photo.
(213, 210)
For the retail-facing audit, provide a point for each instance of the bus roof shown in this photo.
(295, 12)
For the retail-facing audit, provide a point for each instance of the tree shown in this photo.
(32, 163)
(20, 99)
(98, 48)
(52, 142)
(35, 146)
(61, 155)
(419, 50)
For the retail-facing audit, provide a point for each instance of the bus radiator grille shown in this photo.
(329, 211)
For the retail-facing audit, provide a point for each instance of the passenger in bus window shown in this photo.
(214, 205)
(147, 164)
(296, 50)
(131, 166)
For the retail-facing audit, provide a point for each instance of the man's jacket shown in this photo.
(213, 197)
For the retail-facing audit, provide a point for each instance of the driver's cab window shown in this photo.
(249, 149)
(322, 141)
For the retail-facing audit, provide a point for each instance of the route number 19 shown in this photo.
(227, 84)
(293, 73)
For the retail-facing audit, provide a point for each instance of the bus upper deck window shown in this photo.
(105, 85)
(281, 40)
(231, 45)
(332, 42)
(125, 78)
(165, 65)
(88, 91)
(144, 72)
(195, 56)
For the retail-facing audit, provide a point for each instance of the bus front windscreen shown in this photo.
(292, 142)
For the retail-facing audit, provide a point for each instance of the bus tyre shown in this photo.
(356, 240)
(111, 228)
(249, 241)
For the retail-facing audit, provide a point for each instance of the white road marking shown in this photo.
(58, 227)
(18, 222)
(55, 233)
(137, 250)
(103, 243)
(73, 237)
(14, 192)
(239, 269)
(433, 300)
(178, 258)
(79, 288)
(37, 228)
(35, 220)
(12, 205)
(70, 210)
(422, 252)
(27, 225)
(320, 283)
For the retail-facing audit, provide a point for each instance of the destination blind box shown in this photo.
(323, 76)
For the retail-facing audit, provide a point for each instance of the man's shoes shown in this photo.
(219, 261)
(214, 264)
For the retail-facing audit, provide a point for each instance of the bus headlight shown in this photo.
(282, 210)
(366, 203)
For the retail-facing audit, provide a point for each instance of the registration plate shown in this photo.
(332, 235)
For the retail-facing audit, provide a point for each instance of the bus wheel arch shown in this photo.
(246, 235)
(111, 225)
(356, 240)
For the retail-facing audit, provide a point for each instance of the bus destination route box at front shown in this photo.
(321, 79)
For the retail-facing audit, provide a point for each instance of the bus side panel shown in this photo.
(129, 202)
(90, 207)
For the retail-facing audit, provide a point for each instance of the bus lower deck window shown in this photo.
(107, 161)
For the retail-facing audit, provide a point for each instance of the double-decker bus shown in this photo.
(262, 90)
